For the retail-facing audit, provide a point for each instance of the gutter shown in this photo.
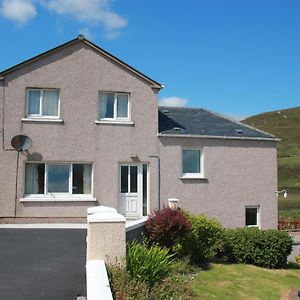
(220, 137)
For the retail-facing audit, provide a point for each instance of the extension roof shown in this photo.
(82, 39)
(194, 122)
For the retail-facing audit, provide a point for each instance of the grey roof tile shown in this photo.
(198, 121)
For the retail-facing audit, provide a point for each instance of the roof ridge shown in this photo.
(81, 38)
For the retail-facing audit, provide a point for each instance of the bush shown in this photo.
(148, 264)
(165, 226)
(297, 259)
(175, 286)
(202, 242)
(263, 248)
(122, 287)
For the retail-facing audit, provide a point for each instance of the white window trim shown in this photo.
(40, 115)
(201, 162)
(257, 216)
(59, 196)
(115, 119)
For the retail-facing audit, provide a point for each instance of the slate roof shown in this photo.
(201, 122)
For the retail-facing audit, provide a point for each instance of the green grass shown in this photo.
(237, 281)
(284, 124)
(289, 208)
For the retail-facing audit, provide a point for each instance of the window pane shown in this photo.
(33, 102)
(34, 178)
(144, 189)
(58, 178)
(82, 174)
(251, 216)
(133, 179)
(122, 106)
(191, 161)
(124, 179)
(50, 103)
(106, 106)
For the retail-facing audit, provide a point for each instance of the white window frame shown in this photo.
(60, 196)
(201, 165)
(115, 117)
(257, 215)
(40, 114)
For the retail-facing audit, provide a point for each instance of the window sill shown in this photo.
(194, 177)
(114, 122)
(43, 120)
(58, 199)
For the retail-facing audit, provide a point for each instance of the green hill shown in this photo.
(284, 124)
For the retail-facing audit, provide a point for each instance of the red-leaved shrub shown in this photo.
(166, 225)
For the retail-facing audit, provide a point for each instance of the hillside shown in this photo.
(284, 124)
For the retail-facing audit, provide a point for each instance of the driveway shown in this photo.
(37, 264)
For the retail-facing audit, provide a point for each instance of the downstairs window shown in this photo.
(58, 178)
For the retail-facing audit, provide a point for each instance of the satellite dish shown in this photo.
(21, 142)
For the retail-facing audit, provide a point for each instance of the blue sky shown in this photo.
(236, 57)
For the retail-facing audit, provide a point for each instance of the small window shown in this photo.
(191, 162)
(113, 106)
(42, 103)
(252, 216)
(48, 178)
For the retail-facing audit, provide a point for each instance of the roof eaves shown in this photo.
(37, 57)
(153, 83)
(217, 137)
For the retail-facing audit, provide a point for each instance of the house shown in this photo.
(99, 138)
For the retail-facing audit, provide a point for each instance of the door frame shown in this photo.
(140, 186)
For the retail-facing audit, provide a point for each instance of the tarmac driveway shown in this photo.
(37, 264)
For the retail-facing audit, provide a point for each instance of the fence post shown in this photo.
(106, 237)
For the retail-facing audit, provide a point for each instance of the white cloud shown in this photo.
(20, 11)
(173, 101)
(94, 11)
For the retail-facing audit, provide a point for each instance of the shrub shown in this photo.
(175, 286)
(297, 259)
(166, 226)
(263, 248)
(201, 243)
(148, 264)
(122, 287)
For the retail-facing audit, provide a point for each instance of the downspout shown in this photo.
(158, 179)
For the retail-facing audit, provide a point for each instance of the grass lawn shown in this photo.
(238, 281)
(289, 207)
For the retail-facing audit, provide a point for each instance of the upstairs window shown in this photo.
(42, 103)
(113, 106)
(191, 163)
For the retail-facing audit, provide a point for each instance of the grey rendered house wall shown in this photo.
(239, 173)
(80, 73)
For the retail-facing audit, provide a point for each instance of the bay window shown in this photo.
(58, 178)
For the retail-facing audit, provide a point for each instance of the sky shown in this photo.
(234, 57)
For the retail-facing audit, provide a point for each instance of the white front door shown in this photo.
(131, 190)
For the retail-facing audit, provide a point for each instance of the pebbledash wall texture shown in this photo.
(237, 173)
